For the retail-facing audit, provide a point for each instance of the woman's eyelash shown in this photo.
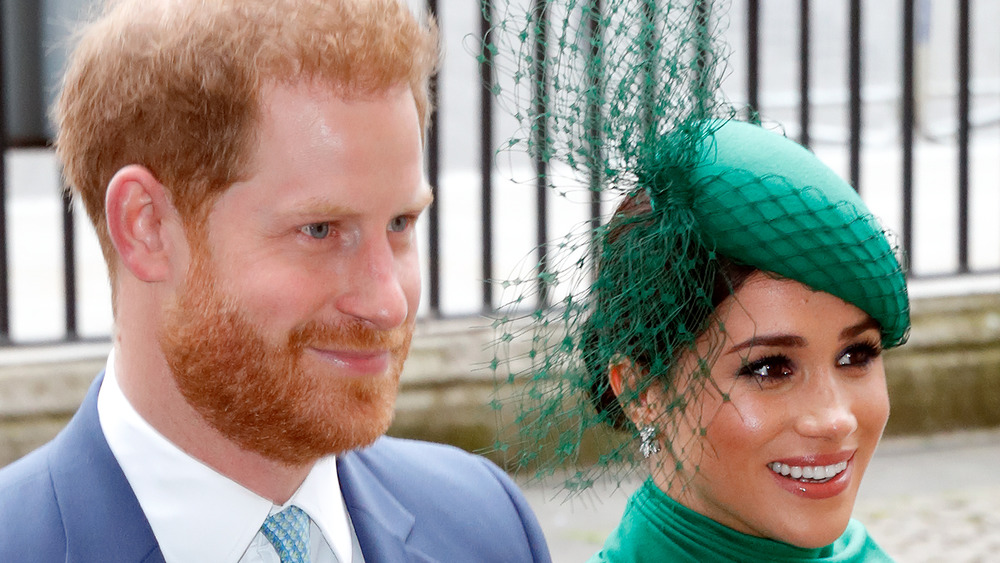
(762, 368)
(860, 353)
(778, 366)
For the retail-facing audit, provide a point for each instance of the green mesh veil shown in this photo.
(622, 97)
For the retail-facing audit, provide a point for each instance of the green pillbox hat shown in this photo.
(768, 202)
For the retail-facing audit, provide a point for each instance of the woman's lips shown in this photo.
(814, 477)
(813, 472)
(355, 362)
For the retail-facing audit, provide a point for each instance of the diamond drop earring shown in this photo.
(648, 444)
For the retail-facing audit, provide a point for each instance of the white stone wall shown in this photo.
(946, 377)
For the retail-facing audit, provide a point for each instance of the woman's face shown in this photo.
(791, 418)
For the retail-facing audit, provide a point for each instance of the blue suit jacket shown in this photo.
(409, 501)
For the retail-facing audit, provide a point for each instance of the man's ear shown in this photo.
(625, 378)
(138, 212)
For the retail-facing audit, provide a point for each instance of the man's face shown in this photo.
(290, 331)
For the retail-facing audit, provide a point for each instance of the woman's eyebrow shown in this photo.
(770, 340)
(860, 328)
(799, 342)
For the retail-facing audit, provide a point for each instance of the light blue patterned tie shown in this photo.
(288, 532)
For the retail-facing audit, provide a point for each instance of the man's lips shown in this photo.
(357, 362)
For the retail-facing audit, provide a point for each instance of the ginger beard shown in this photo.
(262, 395)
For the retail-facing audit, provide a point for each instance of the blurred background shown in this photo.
(902, 97)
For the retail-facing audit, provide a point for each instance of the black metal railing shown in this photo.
(854, 70)
(755, 10)
(4, 261)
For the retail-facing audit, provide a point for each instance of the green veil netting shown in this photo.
(623, 97)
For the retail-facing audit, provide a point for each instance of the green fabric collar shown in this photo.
(657, 528)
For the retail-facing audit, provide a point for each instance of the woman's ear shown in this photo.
(626, 380)
(616, 376)
(138, 211)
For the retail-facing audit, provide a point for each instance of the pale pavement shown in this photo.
(924, 499)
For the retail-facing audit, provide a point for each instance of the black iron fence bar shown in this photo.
(434, 178)
(648, 94)
(963, 135)
(804, 101)
(596, 34)
(705, 77)
(908, 114)
(4, 285)
(753, 59)
(854, 72)
(69, 266)
(541, 133)
(486, 154)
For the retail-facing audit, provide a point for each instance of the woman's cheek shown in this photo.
(754, 415)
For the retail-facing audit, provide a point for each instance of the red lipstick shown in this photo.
(796, 475)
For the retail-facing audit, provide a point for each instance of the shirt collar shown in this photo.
(196, 513)
(321, 498)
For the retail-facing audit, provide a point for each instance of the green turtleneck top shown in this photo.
(657, 528)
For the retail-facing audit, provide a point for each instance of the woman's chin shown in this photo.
(818, 531)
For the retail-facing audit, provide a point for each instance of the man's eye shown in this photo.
(316, 230)
(399, 224)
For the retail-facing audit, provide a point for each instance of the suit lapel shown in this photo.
(381, 522)
(101, 515)
(104, 522)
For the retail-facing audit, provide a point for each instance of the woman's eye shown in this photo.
(859, 354)
(773, 367)
(316, 230)
(399, 224)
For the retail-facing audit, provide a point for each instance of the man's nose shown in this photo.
(374, 290)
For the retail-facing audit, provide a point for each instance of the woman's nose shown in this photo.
(826, 410)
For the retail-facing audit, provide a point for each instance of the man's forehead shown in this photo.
(319, 155)
(419, 199)
(274, 90)
(284, 108)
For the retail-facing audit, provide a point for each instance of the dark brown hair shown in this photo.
(634, 211)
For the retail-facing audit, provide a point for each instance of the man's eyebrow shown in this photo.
(323, 207)
(786, 340)
(425, 198)
(316, 206)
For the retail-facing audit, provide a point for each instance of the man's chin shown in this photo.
(275, 398)
(346, 414)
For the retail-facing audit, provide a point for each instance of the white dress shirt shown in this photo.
(200, 515)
